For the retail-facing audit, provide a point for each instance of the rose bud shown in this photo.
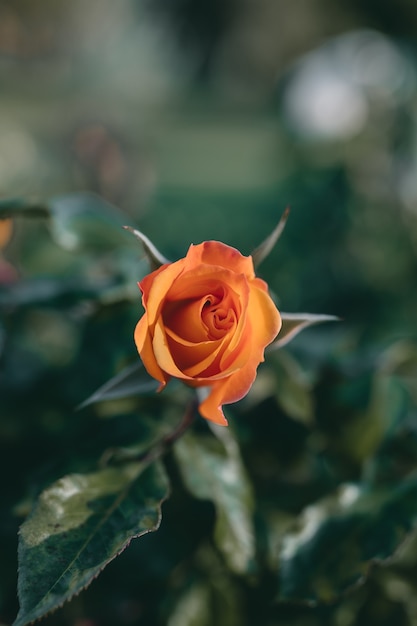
(207, 321)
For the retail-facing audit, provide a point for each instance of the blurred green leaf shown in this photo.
(212, 601)
(336, 540)
(12, 207)
(212, 470)
(388, 405)
(284, 379)
(396, 458)
(132, 380)
(84, 220)
(152, 431)
(191, 608)
(400, 359)
(293, 389)
(52, 291)
(79, 524)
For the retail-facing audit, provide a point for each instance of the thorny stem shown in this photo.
(160, 448)
(187, 420)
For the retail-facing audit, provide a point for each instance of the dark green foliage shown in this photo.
(300, 500)
(303, 511)
(80, 523)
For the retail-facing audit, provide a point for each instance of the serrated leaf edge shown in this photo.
(25, 622)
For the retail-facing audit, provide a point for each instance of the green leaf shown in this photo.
(156, 259)
(77, 220)
(51, 290)
(400, 360)
(193, 607)
(261, 252)
(207, 602)
(79, 524)
(336, 541)
(293, 389)
(131, 381)
(153, 431)
(212, 470)
(293, 323)
(84, 220)
(388, 406)
(13, 207)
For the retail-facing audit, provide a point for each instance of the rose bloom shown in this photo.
(207, 322)
(6, 227)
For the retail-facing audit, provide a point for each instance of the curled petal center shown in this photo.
(218, 319)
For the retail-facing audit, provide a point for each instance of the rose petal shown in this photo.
(206, 369)
(146, 283)
(260, 284)
(235, 356)
(184, 319)
(155, 287)
(190, 357)
(145, 349)
(264, 318)
(211, 409)
(265, 323)
(226, 391)
(6, 229)
(216, 253)
(262, 323)
(204, 280)
(162, 352)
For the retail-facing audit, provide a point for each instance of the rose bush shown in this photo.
(207, 321)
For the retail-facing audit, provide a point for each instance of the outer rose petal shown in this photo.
(144, 345)
(264, 318)
(6, 228)
(226, 391)
(146, 283)
(217, 253)
(266, 323)
(155, 287)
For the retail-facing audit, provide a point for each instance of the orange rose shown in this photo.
(207, 321)
(6, 227)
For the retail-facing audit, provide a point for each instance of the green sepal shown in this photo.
(262, 251)
(294, 323)
(156, 259)
(131, 381)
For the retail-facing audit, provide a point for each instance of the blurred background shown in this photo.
(204, 119)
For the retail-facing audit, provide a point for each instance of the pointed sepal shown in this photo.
(155, 258)
(293, 323)
(131, 381)
(262, 251)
